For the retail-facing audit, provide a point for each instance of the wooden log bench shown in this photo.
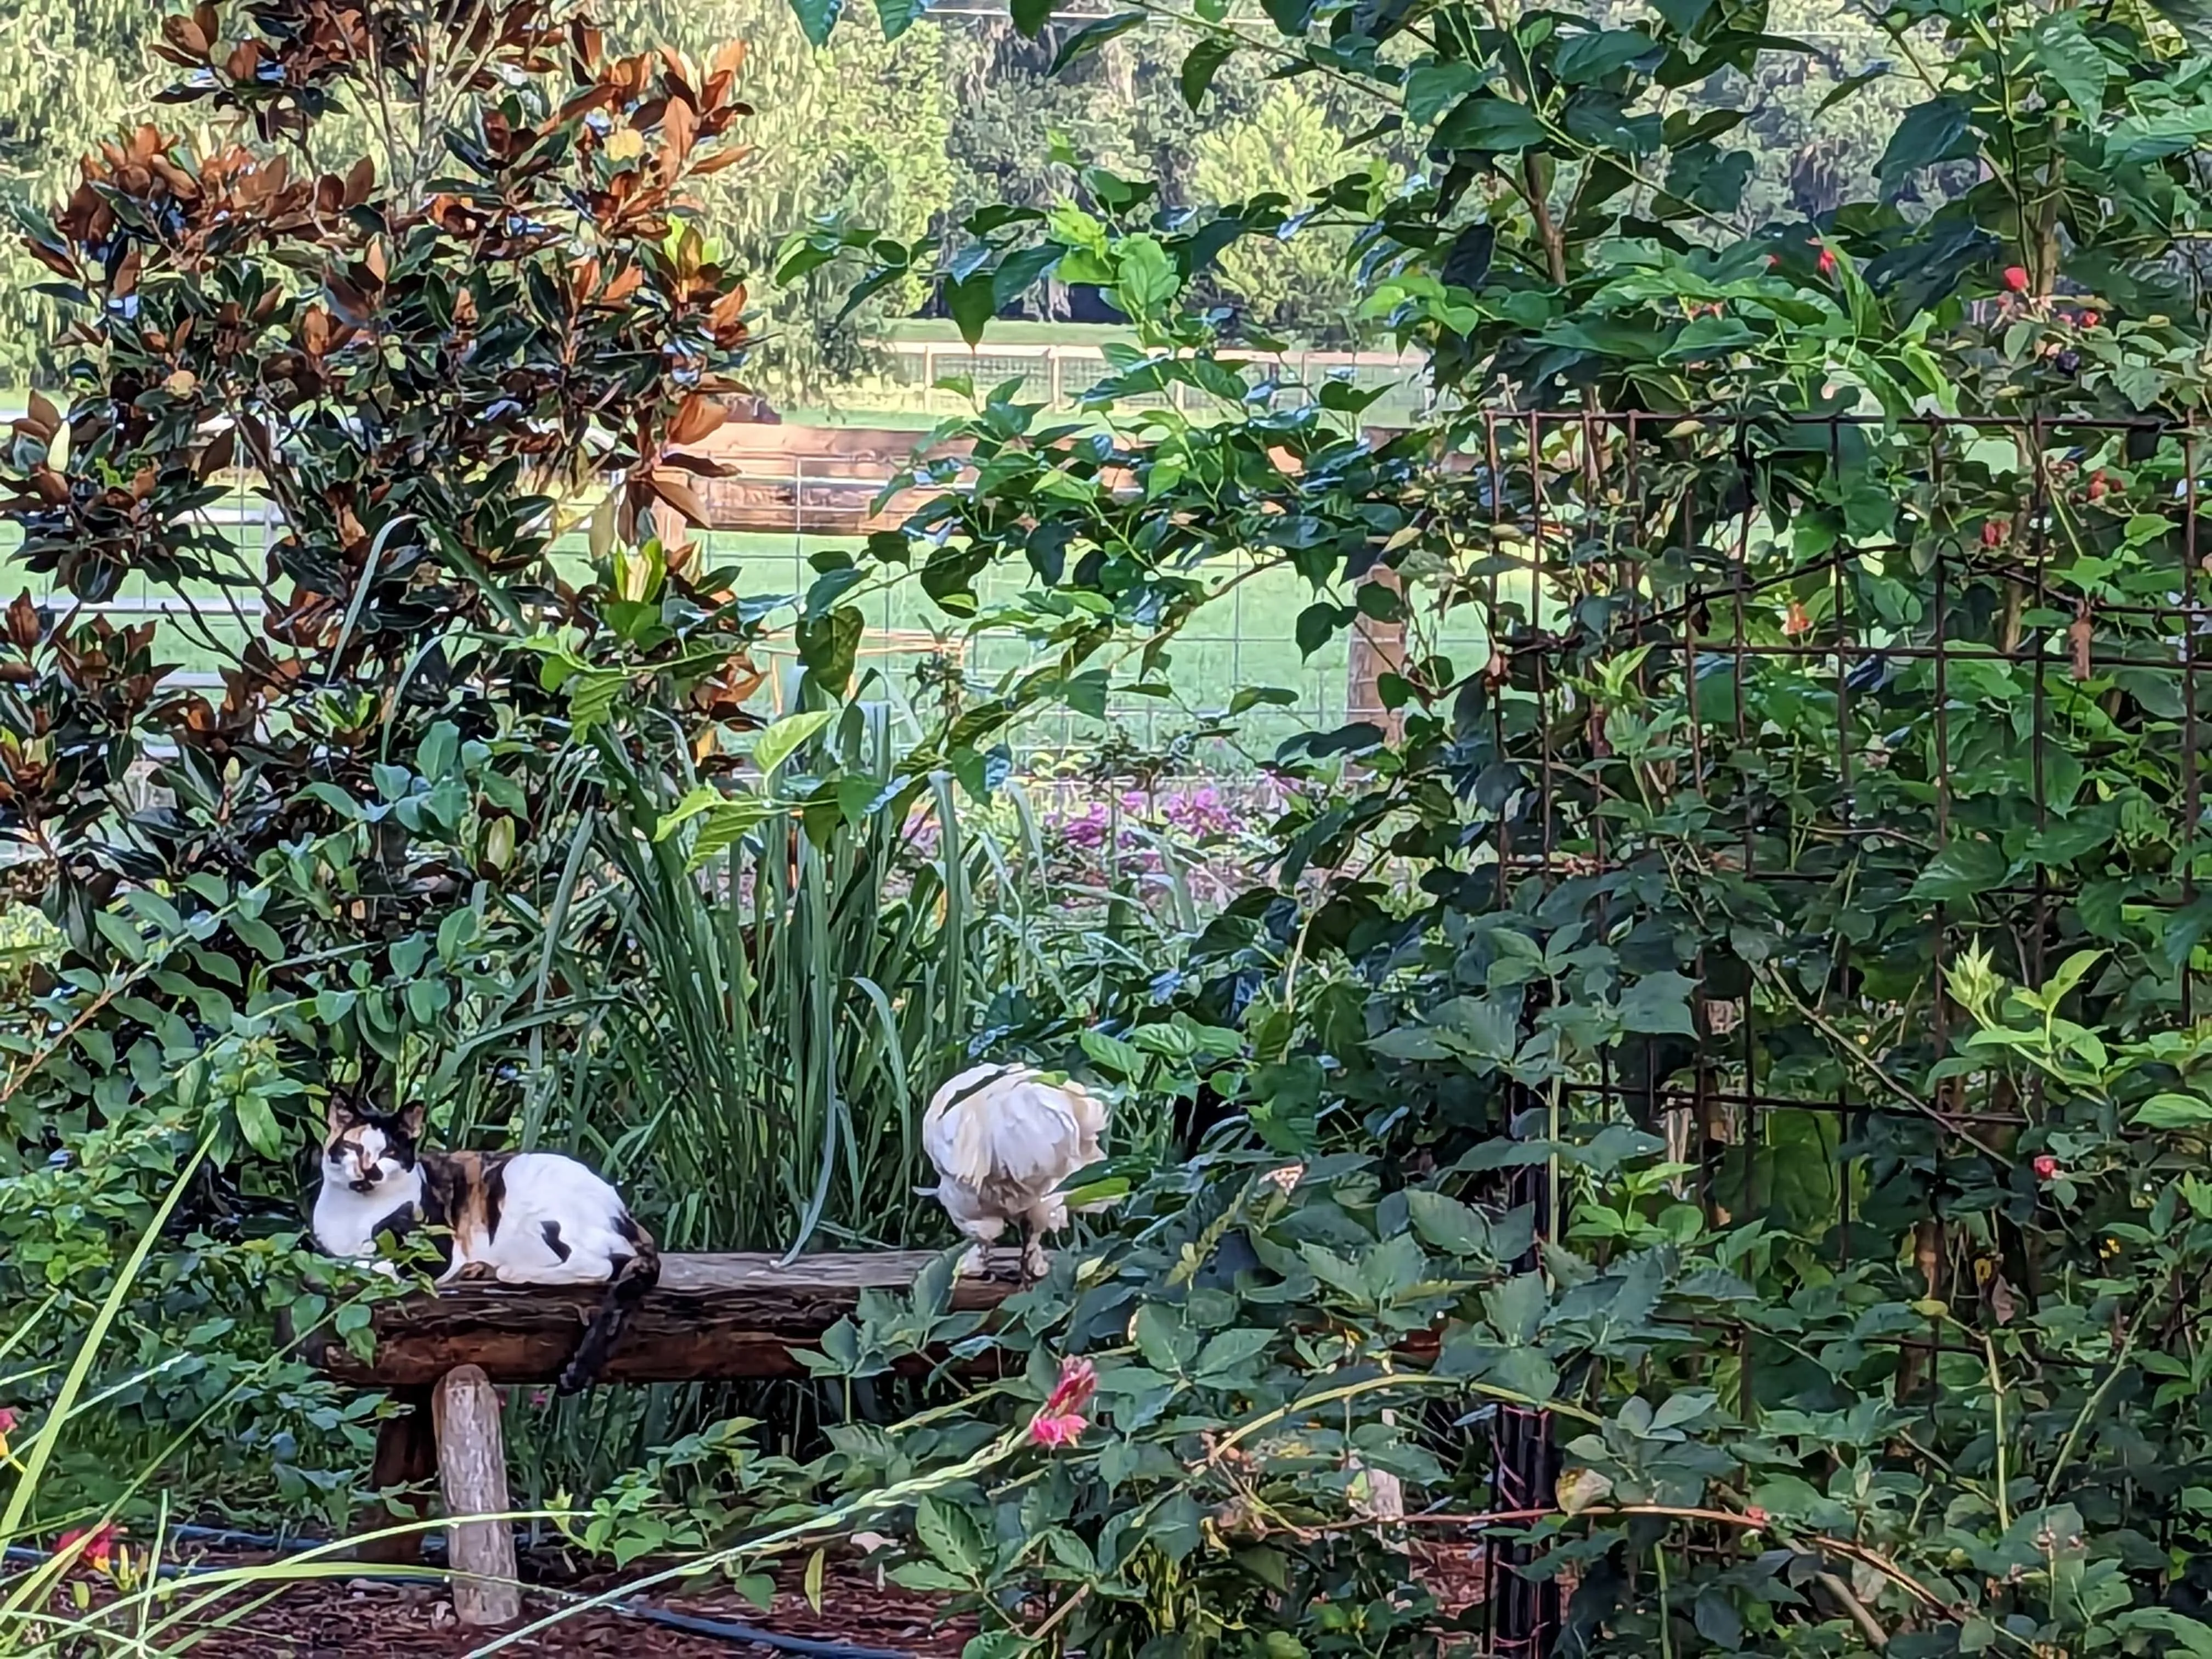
(711, 1318)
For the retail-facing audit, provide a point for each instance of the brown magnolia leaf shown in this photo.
(360, 178)
(181, 183)
(728, 156)
(727, 309)
(698, 417)
(216, 457)
(185, 34)
(626, 283)
(2078, 635)
(681, 496)
(245, 61)
(44, 419)
(52, 258)
(353, 304)
(729, 57)
(699, 466)
(679, 127)
(23, 622)
(126, 274)
(583, 103)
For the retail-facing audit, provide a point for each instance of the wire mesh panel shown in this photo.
(1800, 710)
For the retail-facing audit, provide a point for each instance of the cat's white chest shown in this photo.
(346, 1221)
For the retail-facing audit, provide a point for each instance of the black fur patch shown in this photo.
(495, 1191)
(554, 1242)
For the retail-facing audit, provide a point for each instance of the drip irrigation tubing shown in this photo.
(730, 1631)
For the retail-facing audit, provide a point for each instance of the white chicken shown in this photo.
(1003, 1140)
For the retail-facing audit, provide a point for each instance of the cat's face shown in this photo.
(365, 1150)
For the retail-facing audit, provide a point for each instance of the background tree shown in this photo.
(861, 129)
(1302, 284)
(67, 73)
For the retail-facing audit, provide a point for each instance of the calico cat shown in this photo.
(519, 1217)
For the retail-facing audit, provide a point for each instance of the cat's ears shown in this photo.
(343, 1111)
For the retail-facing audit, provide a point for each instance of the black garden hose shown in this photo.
(805, 1647)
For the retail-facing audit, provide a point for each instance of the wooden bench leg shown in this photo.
(472, 1474)
(406, 1455)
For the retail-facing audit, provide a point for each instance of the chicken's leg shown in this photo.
(1039, 1223)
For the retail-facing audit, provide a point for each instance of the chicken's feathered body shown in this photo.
(1003, 1140)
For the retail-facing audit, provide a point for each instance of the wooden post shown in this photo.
(472, 1472)
(1377, 648)
(406, 1455)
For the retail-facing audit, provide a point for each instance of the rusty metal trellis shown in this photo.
(1887, 656)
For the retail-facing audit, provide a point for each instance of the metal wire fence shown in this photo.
(1057, 374)
(1248, 640)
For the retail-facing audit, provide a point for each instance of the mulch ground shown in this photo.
(367, 1618)
(370, 1619)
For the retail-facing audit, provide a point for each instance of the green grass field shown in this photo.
(1248, 638)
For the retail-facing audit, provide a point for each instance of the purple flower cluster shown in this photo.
(1212, 835)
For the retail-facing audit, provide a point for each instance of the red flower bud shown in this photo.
(2015, 278)
(2046, 1168)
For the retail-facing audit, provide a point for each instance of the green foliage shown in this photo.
(1829, 631)
(194, 1386)
(792, 981)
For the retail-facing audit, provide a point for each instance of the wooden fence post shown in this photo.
(1377, 648)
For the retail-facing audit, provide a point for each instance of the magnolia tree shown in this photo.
(420, 285)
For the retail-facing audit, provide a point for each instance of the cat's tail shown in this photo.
(635, 1274)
